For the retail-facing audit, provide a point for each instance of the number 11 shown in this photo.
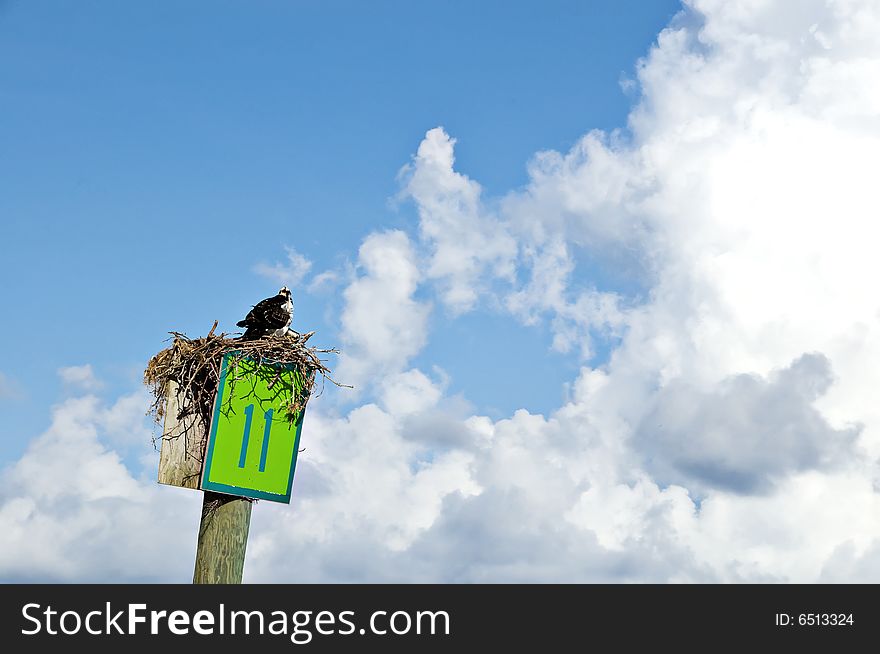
(264, 450)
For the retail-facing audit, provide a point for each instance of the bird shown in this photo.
(269, 317)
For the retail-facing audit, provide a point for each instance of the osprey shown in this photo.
(271, 316)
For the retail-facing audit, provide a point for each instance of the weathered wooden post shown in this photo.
(233, 413)
(223, 535)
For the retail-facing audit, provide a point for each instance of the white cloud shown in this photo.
(125, 422)
(409, 392)
(745, 433)
(468, 246)
(73, 511)
(383, 326)
(288, 273)
(851, 564)
(548, 291)
(323, 281)
(472, 254)
(742, 201)
(366, 491)
(81, 378)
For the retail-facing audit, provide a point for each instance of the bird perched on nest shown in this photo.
(269, 317)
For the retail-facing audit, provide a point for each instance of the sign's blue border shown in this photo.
(215, 419)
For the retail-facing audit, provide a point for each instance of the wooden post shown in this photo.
(223, 534)
(183, 444)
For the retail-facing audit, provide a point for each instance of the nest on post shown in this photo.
(190, 370)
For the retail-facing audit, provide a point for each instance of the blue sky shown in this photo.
(154, 153)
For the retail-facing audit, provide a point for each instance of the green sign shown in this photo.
(255, 429)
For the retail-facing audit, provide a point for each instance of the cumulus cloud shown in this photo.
(409, 392)
(383, 490)
(746, 432)
(851, 564)
(468, 246)
(383, 325)
(472, 253)
(575, 316)
(80, 378)
(740, 200)
(73, 510)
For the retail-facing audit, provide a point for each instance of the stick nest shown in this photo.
(193, 365)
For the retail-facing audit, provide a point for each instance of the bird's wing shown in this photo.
(276, 315)
(269, 313)
(253, 315)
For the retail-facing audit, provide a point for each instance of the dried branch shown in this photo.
(194, 365)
